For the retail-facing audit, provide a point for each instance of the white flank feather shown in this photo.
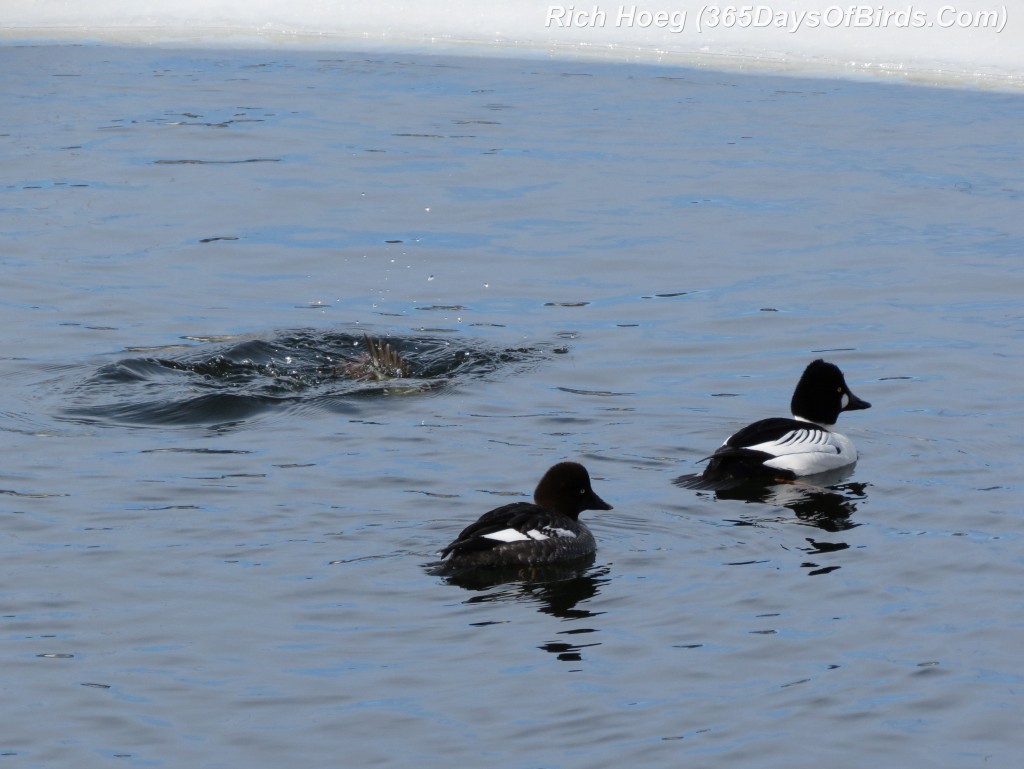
(508, 535)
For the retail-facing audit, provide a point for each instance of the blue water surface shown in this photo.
(214, 540)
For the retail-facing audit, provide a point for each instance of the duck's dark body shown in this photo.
(546, 531)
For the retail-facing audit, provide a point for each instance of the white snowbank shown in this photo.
(974, 40)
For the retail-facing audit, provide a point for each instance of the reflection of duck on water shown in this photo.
(378, 363)
(556, 589)
(823, 500)
(830, 508)
(542, 581)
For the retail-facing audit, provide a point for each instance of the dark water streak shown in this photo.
(307, 370)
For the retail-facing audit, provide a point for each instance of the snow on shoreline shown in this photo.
(970, 41)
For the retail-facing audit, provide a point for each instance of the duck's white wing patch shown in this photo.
(511, 535)
(802, 441)
(806, 452)
(536, 535)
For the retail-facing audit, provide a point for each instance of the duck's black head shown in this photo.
(566, 489)
(822, 394)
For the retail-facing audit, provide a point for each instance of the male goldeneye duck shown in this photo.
(523, 533)
(782, 449)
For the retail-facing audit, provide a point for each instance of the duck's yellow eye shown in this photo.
(839, 389)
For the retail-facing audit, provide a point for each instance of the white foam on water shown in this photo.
(955, 41)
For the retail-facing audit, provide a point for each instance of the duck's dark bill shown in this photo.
(856, 404)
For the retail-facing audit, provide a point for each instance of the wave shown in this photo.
(232, 383)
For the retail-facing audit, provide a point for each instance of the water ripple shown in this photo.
(239, 380)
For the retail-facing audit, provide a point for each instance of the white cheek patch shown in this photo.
(846, 400)
(509, 535)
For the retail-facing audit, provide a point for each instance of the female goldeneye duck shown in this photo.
(379, 362)
(782, 449)
(523, 533)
